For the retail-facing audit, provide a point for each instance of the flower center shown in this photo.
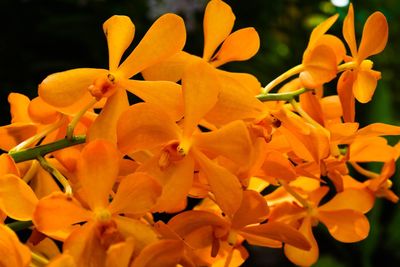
(103, 87)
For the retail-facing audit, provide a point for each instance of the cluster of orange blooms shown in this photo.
(88, 172)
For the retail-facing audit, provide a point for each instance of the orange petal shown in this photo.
(374, 36)
(142, 233)
(345, 92)
(19, 107)
(170, 69)
(136, 194)
(378, 129)
(43, 184)
(165, 37)
(320, 66)
(14, 253)
(119, 31)
(346, 226)
(120, 254)
(177, 179)
(67, 91)
(225, 186)
(58, 214)
(144, 126)
(351, 198)
(166, 95)
(97, 170)
(253, 209)
(342, 130)
(85, 246)
(162, 253)
(278, 166)
(217, 24)
(200, 93)
(312, 105)
(238, 46)
(7, 165)
(105, 125)
(41, 112)
(349, 32)
(62, 260)
(364, 85)
(187, 222)
(279, 232)
(321, 29)
(231, 141)
(236, 99)
(304, 257)
(13, 134)
(371, 149)
(335, 44)
(17, 199)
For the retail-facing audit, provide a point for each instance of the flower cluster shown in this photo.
(90, 173)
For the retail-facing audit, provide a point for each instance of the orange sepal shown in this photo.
(217, 24)
(345, 92)
(19, 107)
(41, 112)
(225, 186)
(144, 126)
(304, 257)
(253, 209)
(280, 232)
(166, 253)
(17, 199)
(238, 46)
(67, 91)
(57, 215)
(13, 252)
(351, 198)
(346, 226)
(165, 37)
(97, 170)
(136, 194)
(167, 95)
(119, 31)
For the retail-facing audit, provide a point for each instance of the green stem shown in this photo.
(35, 152)
(287, 96)
(19, 225)
(56, 173)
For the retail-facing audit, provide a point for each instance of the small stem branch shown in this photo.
(38, 136)
(39, 259)
(290, 190)
(304, 114)
(19, 225)
(71, 126)
(284, 76)
(33, 153)
(31, 172)
(363, 171)
(282, 96)
(347, 66)
(49, 168)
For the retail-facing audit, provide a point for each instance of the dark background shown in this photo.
(42, 37)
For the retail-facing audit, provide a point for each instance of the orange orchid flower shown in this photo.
(343, 215)
(323, 54)
(144, 127)
(73, 90)
(360, 82)
(207, 232)
(57, 215)
(238, 90)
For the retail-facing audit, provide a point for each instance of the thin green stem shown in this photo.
(19, 225)
(33, 153)
(71, 126)
(39, 259)
(38, 136)
(287, 96)
(284, 76)
(56, 173)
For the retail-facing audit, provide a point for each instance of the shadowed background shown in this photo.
(42, 37)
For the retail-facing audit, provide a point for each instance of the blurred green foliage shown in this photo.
(40, 37)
